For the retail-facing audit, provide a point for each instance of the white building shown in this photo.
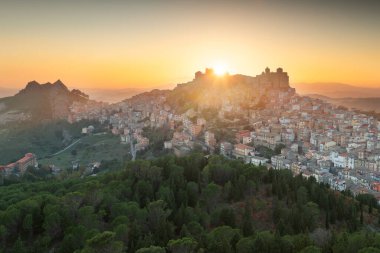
(168, 145)
(256, 160)
(339, 160)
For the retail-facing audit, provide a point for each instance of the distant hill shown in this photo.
(362, 104)
(6, 92)
(148, 95)
(113, 95)
(39, 102)
(336, 90)
(208, 90)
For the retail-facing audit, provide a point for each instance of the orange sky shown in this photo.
(119, 44)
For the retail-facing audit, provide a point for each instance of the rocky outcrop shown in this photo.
(46, 101)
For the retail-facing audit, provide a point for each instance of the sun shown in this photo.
(220, 69)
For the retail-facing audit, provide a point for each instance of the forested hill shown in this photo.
(189, 204)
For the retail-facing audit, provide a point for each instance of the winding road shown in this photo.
(66, 148)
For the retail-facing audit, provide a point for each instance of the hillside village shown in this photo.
(271, 126)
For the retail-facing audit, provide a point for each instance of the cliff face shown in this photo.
(40, 102)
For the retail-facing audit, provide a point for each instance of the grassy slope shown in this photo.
(41, 139)
(90, 149)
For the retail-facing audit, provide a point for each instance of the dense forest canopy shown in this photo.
(188, 204)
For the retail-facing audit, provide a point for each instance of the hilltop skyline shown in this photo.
(119, 44)
(112, 95)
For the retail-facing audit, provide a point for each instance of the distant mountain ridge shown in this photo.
(34, 86)
(47, 101)
(113, 95)
(37, 101)
(336, 90)
(362, 104)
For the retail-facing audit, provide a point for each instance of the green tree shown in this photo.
(302, 196)
(3, 235)
(122, 233)
(311, 213)
(247, 226)
(210, 196)
(223, 239)
(27, 225)
(103, 243)
(183, 245)
(369, 250)
(245, 245)
(311, 249)
(158, 220)
(52, 225)
(144, 192)
(151, 249)
(18, 247)
(75, 238)
(227, 217)
(192, 193)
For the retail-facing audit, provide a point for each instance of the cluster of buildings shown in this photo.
(128, 118)
(187, 128)
(335, 145)
(89, 110)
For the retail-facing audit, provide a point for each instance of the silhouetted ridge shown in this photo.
(59, 83)
(31, 85)
(44, 101)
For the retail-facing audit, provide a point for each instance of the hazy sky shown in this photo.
(142, 43)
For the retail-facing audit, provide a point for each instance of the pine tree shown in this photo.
(361, 214)
(247, 226)
(327, 224)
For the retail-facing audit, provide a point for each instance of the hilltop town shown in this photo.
(260, 120)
